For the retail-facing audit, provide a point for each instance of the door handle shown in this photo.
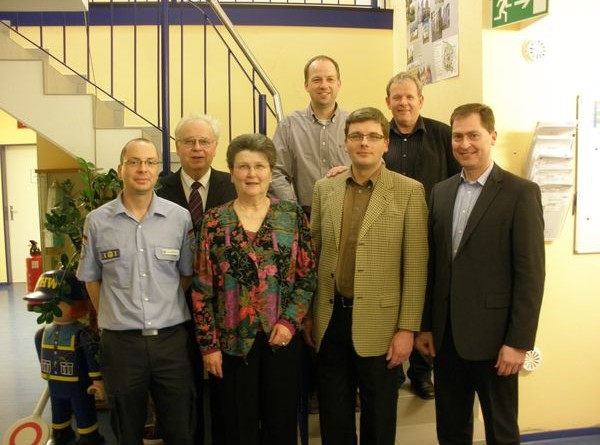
(12, 212)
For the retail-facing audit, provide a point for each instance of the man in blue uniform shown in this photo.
(136, 262)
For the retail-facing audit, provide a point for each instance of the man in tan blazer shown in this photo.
(370, 231)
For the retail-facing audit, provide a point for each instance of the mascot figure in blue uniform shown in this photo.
(68, 351)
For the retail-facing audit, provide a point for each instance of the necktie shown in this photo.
(195, 204)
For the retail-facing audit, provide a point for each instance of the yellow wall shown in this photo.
(564, 392)
(441, 97)
(365, 68)
(52, 157)
(3, 265)
(363, 56)
(10, 134)
(364, 71)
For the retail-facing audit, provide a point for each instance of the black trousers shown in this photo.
(341, 372)
(198, 376)
(132, 366)
(258, 395)
(457, 380)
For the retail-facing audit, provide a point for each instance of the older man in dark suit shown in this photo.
(197, 187)
(197, 137)
(486, 285)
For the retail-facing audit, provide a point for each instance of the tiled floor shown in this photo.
(20, 384)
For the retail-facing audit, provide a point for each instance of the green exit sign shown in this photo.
(512, 11)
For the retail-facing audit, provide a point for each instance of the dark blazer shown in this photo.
(220, 189)
(434, 160)
(493, 288)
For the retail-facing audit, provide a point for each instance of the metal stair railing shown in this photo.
(241, 64)
(216, 7)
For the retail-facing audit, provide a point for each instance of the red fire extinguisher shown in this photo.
(34, 265)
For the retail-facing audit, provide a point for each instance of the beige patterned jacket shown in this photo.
(391, 259)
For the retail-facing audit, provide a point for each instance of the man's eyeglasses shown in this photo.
(371, 137)
(191, 143)
(134, 162)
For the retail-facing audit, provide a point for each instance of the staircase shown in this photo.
(58, 105)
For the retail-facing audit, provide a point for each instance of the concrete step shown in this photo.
(57, 79)
(412, 410)
(65, 120)
(108, 113)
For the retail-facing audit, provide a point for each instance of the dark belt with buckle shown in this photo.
(344, 302)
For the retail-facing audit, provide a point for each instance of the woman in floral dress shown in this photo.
(254, 281)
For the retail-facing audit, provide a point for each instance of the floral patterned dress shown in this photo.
(242, 287)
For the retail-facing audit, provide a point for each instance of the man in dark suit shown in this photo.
(196, 139)
(420, 148)
(485, 286)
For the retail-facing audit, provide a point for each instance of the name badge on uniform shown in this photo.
(110, 254)
(170, 252)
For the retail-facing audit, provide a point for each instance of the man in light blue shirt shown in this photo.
(136, 262)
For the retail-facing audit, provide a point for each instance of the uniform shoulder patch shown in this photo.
(112, 254)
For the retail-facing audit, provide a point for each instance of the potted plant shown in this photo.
(66, 218)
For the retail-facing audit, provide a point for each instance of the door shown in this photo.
(22, 211)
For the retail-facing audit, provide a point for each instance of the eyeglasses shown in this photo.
(258, 168)
(191, 143)
(371, 137)
(134, 162)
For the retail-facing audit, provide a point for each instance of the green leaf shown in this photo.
(41, 319)
(67, 217)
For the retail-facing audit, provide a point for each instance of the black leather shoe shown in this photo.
(423, 389)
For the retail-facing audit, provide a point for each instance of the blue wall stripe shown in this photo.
(532, 437)
(267, 15)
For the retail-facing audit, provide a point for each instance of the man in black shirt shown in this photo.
(420, 148)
